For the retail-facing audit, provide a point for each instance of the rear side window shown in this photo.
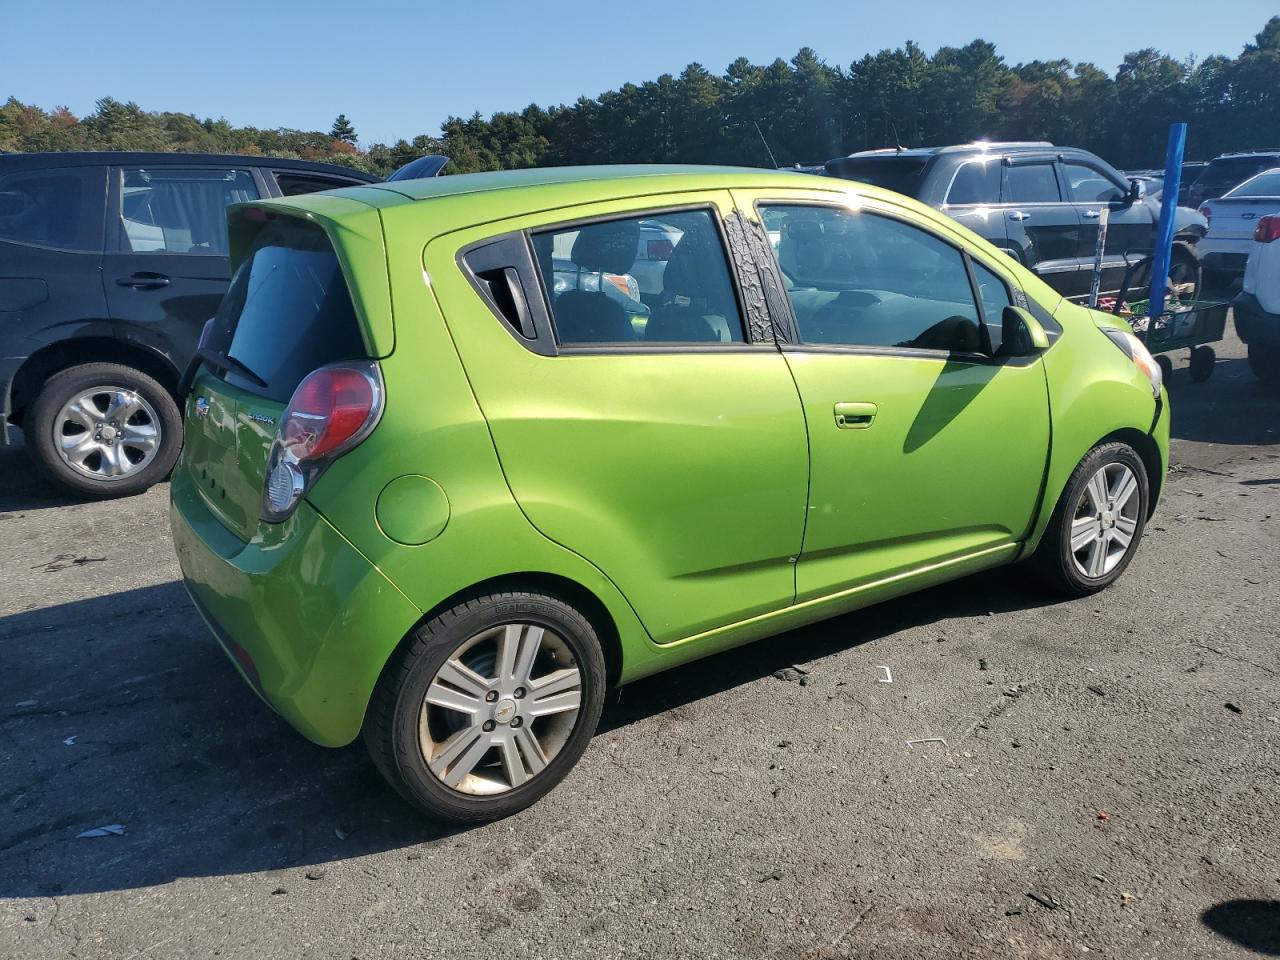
(296, 184)
(860, 279)
(976, 182)
(659, 278)
(180, 209)
(288, 311)
(1033, 183)
(60, 208)
(899, 174)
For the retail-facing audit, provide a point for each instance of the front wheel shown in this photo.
(488, 706)
(1098, 523)
(104, 430)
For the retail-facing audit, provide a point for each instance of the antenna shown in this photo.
(772, 158)
(897, 140)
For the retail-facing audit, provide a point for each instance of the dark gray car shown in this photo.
(1040, 203)
(110, 264)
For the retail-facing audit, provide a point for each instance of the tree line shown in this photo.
(799, 111)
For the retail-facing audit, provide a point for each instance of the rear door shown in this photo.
(50, 255)
(666, 445)
(167, 264)
(1042, 224)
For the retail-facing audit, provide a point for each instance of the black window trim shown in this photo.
(547, 342)
(798, 345)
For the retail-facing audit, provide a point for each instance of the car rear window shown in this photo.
(900, 174)
(1264, 185)
(288, 311)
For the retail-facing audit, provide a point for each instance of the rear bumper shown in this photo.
(307, 620)
(1253, 323)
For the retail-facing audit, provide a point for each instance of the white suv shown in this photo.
(1257, 308)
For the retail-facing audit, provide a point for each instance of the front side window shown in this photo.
(1088, 185)
(60, 208)
(858, 278)
(1033, 183)
(976, 182)
(180, 209)
(657, 278)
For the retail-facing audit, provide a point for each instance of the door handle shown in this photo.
(144, 281)
(1019, 215)
(1093, 214)
(855, 414)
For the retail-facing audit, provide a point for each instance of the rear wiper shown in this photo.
(228, 362)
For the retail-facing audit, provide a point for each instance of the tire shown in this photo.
(1202, 360)
(145, 445)
(483, 715)
(1185, 269)
(1055, 563)
(1264, 361)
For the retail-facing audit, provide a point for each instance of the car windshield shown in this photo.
(1263, 185)
(900, 174)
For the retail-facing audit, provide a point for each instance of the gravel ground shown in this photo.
(1107, 785)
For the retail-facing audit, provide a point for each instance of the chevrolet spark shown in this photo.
(451, 471)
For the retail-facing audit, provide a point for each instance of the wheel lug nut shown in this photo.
(488, 726)
(519, 693)
(516, 722)
(491, 696)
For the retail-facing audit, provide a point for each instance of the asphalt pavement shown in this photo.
(1106, 782)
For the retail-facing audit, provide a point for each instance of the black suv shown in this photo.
(110, 264)
(1228, 171)
(1037, 202)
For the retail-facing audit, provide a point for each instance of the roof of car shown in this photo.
(449, 186)
(977, 146)
(1260, 152)
(80, 158)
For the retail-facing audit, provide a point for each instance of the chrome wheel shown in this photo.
(500, 709)
(1106, 520)
(107, 433)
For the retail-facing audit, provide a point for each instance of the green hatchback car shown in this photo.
(462, 453)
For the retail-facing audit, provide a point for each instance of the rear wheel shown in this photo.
(104, 430)
(488, 707)
(1264, 361)
(1098, 523)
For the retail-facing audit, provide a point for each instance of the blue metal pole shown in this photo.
(1168, 205)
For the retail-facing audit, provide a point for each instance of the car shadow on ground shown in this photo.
(22, 486)
(1233, 407)
(1252, 924)
(123, 711)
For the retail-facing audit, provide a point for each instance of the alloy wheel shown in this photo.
(500, 709)
(1105, 521)
(107, 432)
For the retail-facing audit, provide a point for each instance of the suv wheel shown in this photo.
(488, 707)
(1098, 523)
(104, 430)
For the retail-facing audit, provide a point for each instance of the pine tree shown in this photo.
(343, 130)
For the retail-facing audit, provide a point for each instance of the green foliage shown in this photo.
(802, 111)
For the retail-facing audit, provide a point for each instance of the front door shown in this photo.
(1130, 227)
(167, 263)
(924, 450)
(1042, 225)
(640, 422)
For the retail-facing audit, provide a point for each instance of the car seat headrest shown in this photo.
(607, 247)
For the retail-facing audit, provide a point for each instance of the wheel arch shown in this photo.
(56, 357)
(556, 585)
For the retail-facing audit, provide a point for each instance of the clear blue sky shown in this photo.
(398, 69)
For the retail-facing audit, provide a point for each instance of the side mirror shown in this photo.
(1137, 190)
(1020, 334)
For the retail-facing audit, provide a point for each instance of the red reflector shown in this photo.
(329, 408)
(1267, 230)
(660, 249)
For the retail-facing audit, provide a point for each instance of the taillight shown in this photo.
(1207, 212)
(1267, 230)
(331, 411)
